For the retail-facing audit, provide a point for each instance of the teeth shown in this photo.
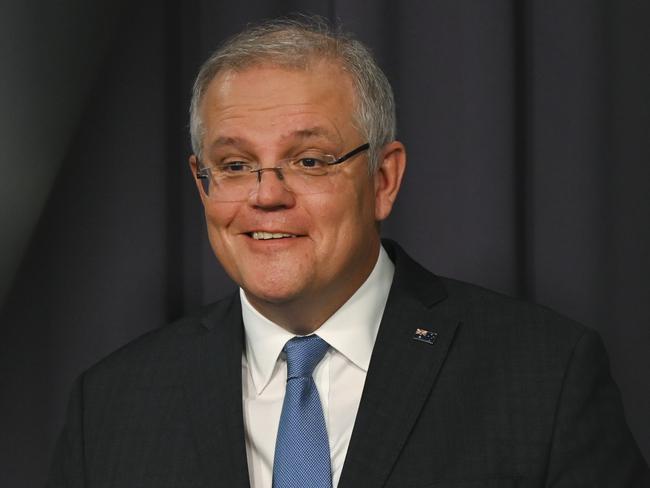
(270, 235)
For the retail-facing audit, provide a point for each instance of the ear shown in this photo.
(388, 178)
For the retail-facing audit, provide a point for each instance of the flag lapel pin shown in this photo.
(423, 335)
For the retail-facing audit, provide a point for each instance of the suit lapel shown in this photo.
(214, 393)
(401, 375)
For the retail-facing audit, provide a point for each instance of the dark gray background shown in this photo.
(527, 125)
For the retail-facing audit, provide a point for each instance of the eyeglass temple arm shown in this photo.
(354, 152)
(200, 172)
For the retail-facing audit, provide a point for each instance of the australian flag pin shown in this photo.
(423, 335)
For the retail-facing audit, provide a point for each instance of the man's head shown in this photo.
(295, 45)
(295, 93)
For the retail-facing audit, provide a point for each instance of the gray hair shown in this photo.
(295, 44)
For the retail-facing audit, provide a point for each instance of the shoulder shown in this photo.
(489, 322)
(502, 336)
(477, 305)
(161, 352)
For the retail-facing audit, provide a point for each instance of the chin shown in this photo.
(275, 280)
(271, 291)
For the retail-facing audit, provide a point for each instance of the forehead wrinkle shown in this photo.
(316, 132)
(301, 134)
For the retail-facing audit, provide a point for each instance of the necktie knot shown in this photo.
(303, 354)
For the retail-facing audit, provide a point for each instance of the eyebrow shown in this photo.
(311, 133)
(227, 141)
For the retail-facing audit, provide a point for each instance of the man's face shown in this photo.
(265, 114)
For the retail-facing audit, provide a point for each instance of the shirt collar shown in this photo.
(351, 330)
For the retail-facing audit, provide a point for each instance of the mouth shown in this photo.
(264, 236)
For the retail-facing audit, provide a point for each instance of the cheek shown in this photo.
(329, 215)
(362, 205)
(218, 219)
(343, 217)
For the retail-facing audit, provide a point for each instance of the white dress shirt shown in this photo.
(339, 377)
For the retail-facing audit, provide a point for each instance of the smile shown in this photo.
(270, 235)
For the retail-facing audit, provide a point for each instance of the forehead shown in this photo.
(267, 100)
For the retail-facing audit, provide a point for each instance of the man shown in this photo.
(341, 362)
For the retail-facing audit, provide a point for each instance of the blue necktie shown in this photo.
(302, 452)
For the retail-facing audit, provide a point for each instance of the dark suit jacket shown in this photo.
(508, 395)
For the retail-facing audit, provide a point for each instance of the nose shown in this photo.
(272, 190)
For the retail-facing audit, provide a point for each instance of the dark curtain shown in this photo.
(527, 125)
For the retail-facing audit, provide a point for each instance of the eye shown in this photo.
(234, 168)
(310, 162)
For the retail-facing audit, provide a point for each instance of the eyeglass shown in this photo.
(310, 172)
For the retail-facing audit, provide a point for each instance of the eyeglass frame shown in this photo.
(201, 172)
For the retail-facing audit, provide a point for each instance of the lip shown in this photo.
(265, 236)
(287, 239)
(274, 231)
(272, 245)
